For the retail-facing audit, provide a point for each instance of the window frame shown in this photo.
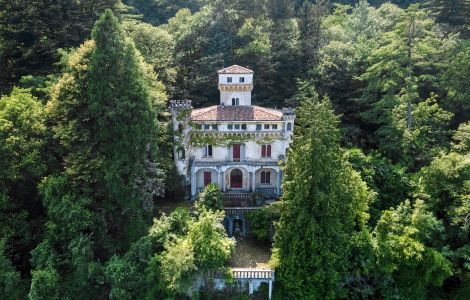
(181, 153)
(208, 151)
(266, 126)
(241, 79)
(229, 79)
(265, 177)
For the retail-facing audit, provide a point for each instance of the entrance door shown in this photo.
(207, 178)
(236, 152)
(236, 178)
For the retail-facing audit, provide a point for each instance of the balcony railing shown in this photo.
(249, 162)
(238, 199)
(269, 192)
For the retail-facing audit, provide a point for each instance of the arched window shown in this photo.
(263, 151)
(208, 150)
(289, 126)
(268, 151)
(263, 177)
(180, 153)
(180, 127)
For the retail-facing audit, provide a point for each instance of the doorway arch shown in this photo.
(236, 178)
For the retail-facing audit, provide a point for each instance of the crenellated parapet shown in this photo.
(180, 104)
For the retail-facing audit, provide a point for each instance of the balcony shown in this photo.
(268, 192)
(227, 162)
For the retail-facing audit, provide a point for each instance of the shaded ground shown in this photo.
(250, 252)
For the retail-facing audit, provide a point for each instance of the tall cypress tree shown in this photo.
(105, 122)
(124, 127)
(325, 206)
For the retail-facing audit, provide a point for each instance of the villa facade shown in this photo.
(235, 144)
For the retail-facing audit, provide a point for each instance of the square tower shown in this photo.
(235, 85)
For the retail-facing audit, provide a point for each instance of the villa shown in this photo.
(235, 144)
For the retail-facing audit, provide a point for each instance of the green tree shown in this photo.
(324, 206)
(390, 182)
(210, 199)
(401, 74)
(104, 118)
(455, 79)
(445, 186)
(404, 241)
(156, 46)
(11, 284)
(22, 163)
(31, 34)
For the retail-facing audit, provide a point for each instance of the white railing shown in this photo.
(247, 273)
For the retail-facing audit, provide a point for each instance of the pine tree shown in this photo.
(324, 206)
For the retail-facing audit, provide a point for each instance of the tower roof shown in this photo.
(235, 69)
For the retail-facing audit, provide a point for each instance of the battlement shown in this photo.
(180, 104)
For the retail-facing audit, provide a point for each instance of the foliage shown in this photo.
(454, 79)
(318, 182)
(10, 279)
(210, 198)
(22, 163)
(403, 240)
(104, 119)
(390, 182)
(261, 221)
(31, 34)
(204, 247)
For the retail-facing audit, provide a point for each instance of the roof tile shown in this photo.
(236, 113)
(235, 69)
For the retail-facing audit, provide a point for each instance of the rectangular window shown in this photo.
(237, 126)
(206, 126)
(244, 126)
(209, 150)
(274, 126)
(258, 126)
(230, 126)
(236, 152)
(215, 127)
(229, 79)
(207, 178)
(266, 126)
(242, 79)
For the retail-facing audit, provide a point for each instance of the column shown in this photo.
(278, 183)
(270, 288)
(193, 182)
(223, 180)
(220, 180)
(254, 181)
(250, 286)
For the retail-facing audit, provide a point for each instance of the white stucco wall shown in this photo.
(236, 78)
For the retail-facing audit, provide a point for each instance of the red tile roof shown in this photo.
(235, 69)
(236, 113)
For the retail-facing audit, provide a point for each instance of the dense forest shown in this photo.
(376, 192)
